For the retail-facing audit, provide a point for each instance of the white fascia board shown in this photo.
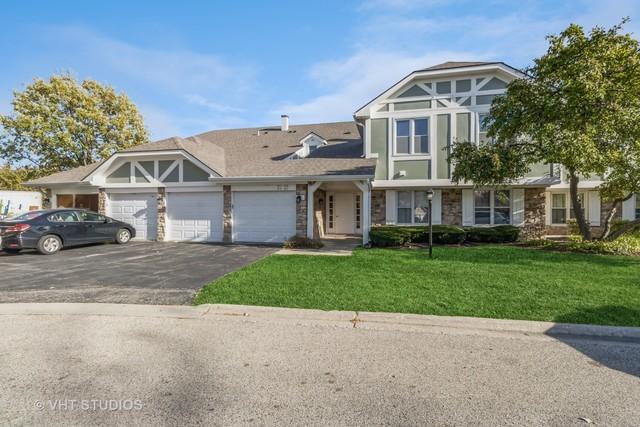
(297, 179)
(364, 112)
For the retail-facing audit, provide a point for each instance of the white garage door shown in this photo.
(139, 210)
(195, 217)
(264, 216)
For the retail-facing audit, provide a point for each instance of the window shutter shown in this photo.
(547, 208)
(517, 207)
(391, 206)
(594, 208)
(629, 208)
(467, 207)
(436, 205)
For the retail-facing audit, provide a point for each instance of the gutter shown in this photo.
(262, 179)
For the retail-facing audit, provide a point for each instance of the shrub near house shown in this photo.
(442, 234)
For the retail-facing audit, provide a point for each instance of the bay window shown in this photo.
(492, 207)
(412, 136)
(413, 207)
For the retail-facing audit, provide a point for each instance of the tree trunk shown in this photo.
(607, 224)
(578, 209)
(628, 226)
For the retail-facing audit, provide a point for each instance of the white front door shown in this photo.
(264, 216)
(139, 210)
(194, 217)
(344, 214)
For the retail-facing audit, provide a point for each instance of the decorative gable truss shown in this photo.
(124, 170)
(450, 93)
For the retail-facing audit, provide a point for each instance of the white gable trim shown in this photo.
(97, 177)
(364, 111)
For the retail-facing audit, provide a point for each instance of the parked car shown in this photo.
(50, 230)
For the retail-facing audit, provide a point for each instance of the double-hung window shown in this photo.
(412, 136)
(572, 212)
(484, 121)
(492, 207)
(413, 207)
(559, 208)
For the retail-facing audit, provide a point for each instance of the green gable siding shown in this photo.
(443, 141)
(379, 145)
(539, 169)
(415, 105)
(415, 169)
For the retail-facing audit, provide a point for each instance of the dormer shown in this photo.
(310, 143)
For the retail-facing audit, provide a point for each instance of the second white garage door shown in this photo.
(139, 210)
(264, 216)
(195, 217)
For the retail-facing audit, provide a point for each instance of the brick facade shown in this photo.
(378, 207)
(534, 213)
(301, 210)
(227, 235)
(452, 206)
(162, 214)
(102, 201)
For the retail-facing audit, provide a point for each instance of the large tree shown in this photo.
(577, 106)
(60, 123)
(12, 178)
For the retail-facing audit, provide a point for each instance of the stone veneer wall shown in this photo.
(378, 207)
(162, 214)
(534, 213)
(227, 225)
(301, 210)
(102, 201)
(452, 206)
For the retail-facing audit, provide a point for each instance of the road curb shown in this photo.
(345, 319)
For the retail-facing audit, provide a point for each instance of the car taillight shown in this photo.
(18, 228)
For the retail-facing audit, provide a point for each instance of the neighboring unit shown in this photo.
(16, 202)
(268, 184)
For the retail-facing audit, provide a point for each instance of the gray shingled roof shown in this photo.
(255, 152)
(456, 64)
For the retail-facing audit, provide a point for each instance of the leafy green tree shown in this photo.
(60, 124)
(577, 106)
(12, 178)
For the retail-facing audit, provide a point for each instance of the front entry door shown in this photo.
(344, 222)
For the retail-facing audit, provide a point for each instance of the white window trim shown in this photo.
(411, 121)
(567, 201)
(413, 208)
(492, 202)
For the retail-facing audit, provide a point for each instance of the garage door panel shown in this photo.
(263, 216)
(139, 210)
(195, 216)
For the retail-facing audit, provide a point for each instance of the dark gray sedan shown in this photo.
(50, 230)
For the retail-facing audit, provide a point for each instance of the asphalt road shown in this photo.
(291, 368)
(136, 273)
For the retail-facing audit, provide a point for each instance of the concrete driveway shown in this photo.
(253, 366)
(137, 273)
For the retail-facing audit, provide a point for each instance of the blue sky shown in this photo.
(196, 66)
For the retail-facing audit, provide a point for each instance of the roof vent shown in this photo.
(285, 123)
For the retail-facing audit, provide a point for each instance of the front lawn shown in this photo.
(485, 281)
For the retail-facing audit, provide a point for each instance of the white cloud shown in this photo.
(214, 106)
(354, 81)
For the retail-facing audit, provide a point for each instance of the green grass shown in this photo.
(484, 281)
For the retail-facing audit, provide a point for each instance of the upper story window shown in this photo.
(412, 136)
(492, 207)
(484, 122)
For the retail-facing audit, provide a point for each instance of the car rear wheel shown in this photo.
(123, 236)
(49, 244)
